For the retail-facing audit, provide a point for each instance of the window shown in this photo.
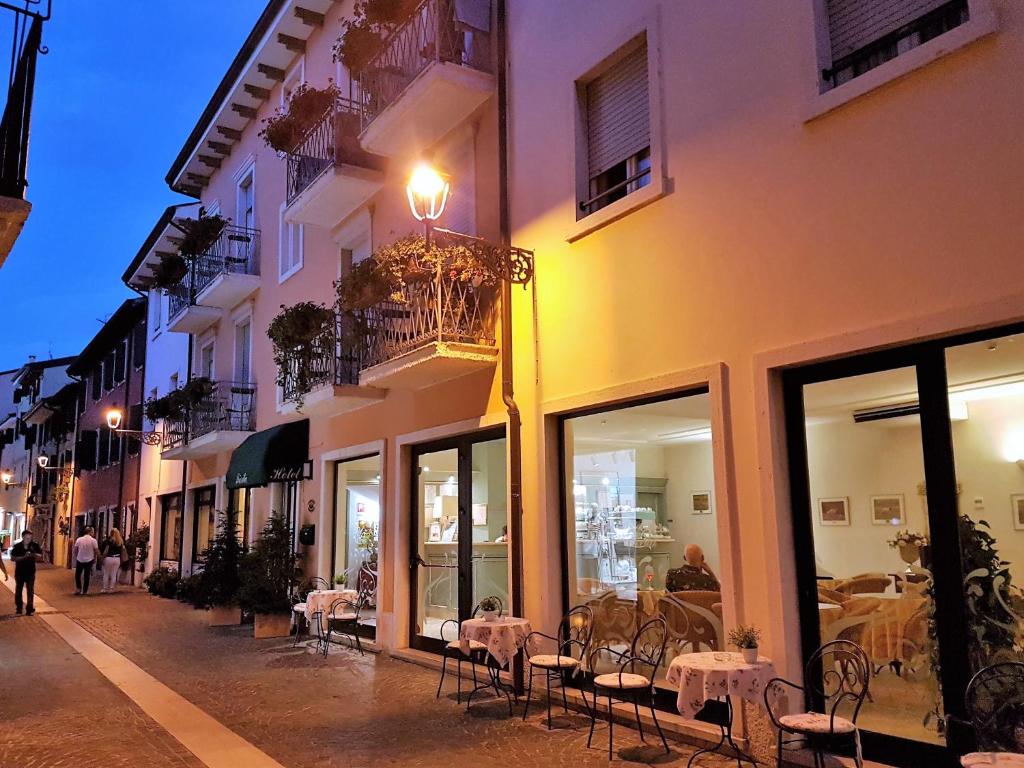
(204, 516)
(460, 212)
(139, 346)
(641, 521)
(115, 446)
(108, 372)
(290, 251)
(247, 200)
(156, 300)
(243, 350)
(356, 528)
(85, 450)
(863, 35)
(97, 382)
(617, 117)
(238, 500)
(173, 382)
(120, 361)
(206, 360)
(170, 527)
(135, 424)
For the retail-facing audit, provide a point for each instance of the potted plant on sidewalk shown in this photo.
(268, 578)
(221, 581)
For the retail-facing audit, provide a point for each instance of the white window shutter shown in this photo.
(853, 24)
(460, 211)
(618, 113)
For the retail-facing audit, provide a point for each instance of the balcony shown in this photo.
(218, 423)
(217, 280)
(431, 74)
(327, 371)
(329, 174)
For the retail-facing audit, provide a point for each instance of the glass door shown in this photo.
(459, 533)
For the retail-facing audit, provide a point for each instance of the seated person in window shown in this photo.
(694, 575)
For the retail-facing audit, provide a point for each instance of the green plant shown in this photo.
(199, 234)
(368, 542)
(293, 333)
(743, 636)
(190, 590)
(489, 604)
(268, 570)
(176, 403)
(341, 579)
(222, 564)
(987, 592)
(169, 271)
(284, 129)
(363, 33)
(163, 582)
(137, 545)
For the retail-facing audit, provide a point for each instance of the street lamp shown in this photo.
(6, 477)
(427, 192)
(114, 417)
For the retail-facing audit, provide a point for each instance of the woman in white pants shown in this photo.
(111, 550)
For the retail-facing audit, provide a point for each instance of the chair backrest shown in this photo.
(477, 610)
(864, 584)
(343, 605)
(574, 632)
(692, 627)
(839, 673)
(615, 620)
(995, 707)
(648, 646)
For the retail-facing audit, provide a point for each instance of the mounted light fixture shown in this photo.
(43, 461)
(427, 192)
(6, 477)
(114, 418)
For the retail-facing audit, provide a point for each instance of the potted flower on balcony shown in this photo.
(363, 34)
(268, 577)
(169, 271)
(199, 234)
(220, 575)
(284, 129)
(293, 333)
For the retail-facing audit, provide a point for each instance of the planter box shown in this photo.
(272, 625)
(224, 616)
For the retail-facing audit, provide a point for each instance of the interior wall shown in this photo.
(689, 469)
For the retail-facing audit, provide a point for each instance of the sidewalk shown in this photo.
(304, 710)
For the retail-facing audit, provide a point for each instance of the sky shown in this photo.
(116, 96)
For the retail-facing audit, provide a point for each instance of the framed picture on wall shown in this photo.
(834, 511)
(888, 510)
(1017, 502)
(701, 501)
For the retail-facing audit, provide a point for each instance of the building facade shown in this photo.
(735, 327)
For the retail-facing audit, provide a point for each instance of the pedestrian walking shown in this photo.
(86, 552)
(3, 568)
(24, 554)
(112, 551)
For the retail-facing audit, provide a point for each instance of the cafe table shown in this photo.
(718, 676)
(322, 600)
(504, 637)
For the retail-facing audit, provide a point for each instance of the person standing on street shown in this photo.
(24, 554)
(111, 550)
(86, 551)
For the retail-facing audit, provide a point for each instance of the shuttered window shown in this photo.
(866, 33)
(139, 345)
(618, 130)
(120, 361)
(103, 447)
(460, 212)
(108, 372)
(85, 450)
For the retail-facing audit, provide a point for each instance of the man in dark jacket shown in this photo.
(24, 555)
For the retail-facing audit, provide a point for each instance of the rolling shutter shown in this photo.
(853, 24)
(460, 211)
(618, 113)
(85, 450)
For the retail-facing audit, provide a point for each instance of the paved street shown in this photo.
(297, 707)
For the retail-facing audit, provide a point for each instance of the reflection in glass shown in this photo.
(357, 532)
(437, 540)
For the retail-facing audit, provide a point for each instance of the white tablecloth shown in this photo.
(323, 599)
(704, 676)
(503, 637)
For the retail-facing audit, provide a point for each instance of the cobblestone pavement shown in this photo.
(298, 707)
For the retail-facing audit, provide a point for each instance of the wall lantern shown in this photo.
(114, 417)
(43, 461)
(6, 477)
(427, 192)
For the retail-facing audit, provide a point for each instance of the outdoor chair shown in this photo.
(994, 705)
(343, 619)
(299, 604)
(453, 650)
(634, 679)
(571, 646)
(837, 674)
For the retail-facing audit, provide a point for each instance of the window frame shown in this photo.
(291, 237)
(163, 525)
(617, 47)
(238, 321)
(245, 177)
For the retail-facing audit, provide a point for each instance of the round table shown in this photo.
(323, 599)
(718, 675)
(504, 638)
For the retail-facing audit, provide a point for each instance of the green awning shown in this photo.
(278, 454)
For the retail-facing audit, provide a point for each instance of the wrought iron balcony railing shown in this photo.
(332, 358)
(438, 31)
(14, 125)
(235, 251)
(231, 407)
(332, 141)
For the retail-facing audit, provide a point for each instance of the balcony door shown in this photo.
(459, 533)
(909, 524)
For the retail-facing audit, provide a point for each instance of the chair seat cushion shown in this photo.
(625, 680)
(299, 608)
(474, 645)
(343, 617)
(551, 661)
(998, 759)
(815, 722)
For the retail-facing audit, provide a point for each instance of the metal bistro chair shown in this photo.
(646, 651)
(299, 604)
(343, 619)
(837, 673)
(574, 633)
(995, 707)
(453, 650)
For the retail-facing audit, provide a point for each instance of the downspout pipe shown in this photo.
(515, 444)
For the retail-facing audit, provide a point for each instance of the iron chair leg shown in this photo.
(529, 693)
(458, 682)
(639, 725)
(444, 666)
(661, 734)
(593, 718)
(565, 701)
(611, 719)
(547, 677)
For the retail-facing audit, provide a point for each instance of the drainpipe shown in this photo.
(515, 445)
(142, 398)
(184, 472)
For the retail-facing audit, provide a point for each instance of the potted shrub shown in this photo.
(340, 580)
(199, 234)
(221, 577)
(169, 271)
(293, 333)
(163, 582)
(267, 577)
(490, 608)
(137, 545)
(363, 34)
(284, 129)
(746, 638)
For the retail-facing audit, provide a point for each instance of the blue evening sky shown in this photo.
(118, 93)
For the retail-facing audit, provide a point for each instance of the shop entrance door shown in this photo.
(459, 533)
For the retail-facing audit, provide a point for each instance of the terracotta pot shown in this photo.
(272, 625)
(224, 616)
